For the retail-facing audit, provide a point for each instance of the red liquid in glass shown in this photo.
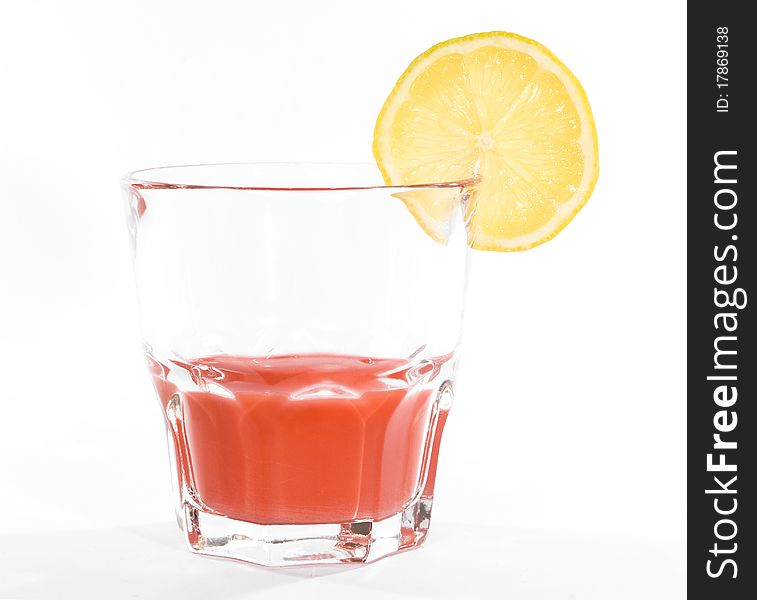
(305, 439)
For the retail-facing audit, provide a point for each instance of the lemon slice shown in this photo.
(500, 107)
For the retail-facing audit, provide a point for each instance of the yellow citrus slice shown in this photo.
(502, 108)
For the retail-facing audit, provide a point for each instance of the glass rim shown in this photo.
(140, 179)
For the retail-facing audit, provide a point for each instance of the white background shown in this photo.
(562, 470)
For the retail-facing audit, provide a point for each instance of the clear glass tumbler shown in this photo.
(301, 329)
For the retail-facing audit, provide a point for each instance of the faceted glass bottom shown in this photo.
(303, 545)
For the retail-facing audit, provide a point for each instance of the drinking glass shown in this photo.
(301, 325)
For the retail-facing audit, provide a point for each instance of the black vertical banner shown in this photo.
(722, 264)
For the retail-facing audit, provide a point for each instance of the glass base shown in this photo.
(303, 545)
